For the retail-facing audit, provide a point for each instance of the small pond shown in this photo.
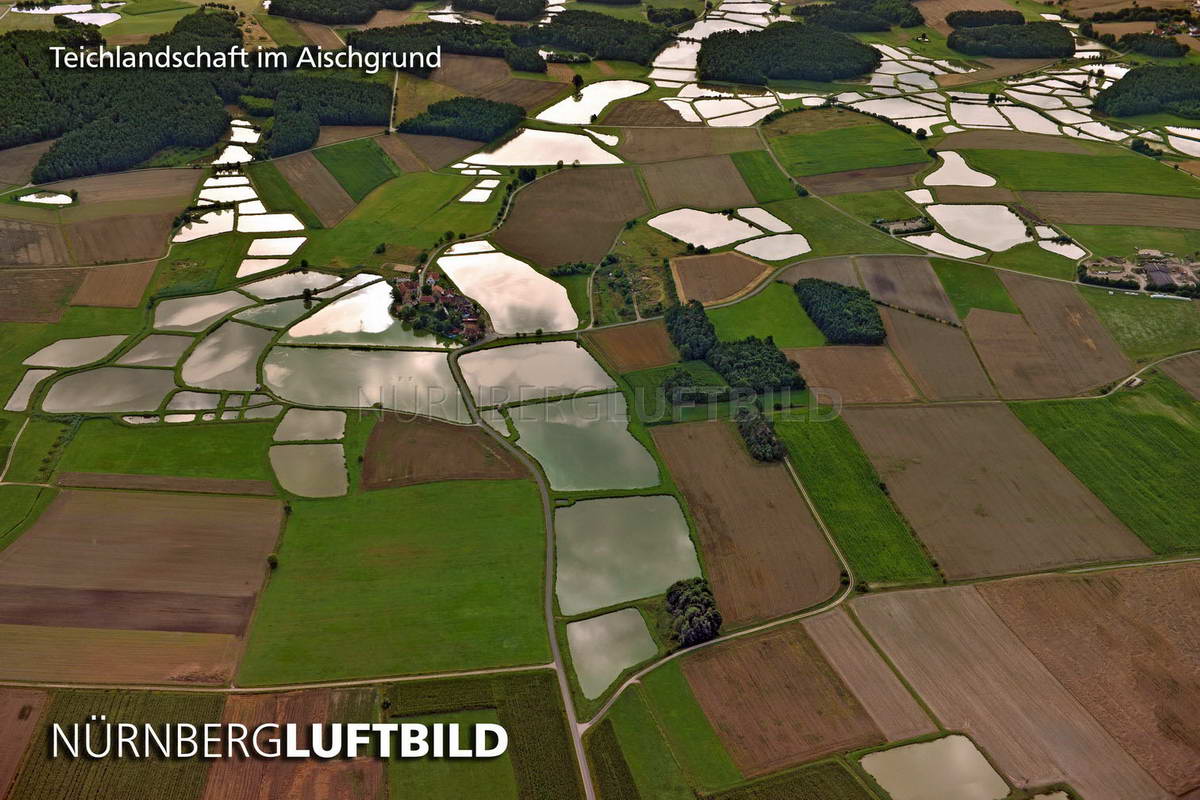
(517, 298)
(520, 372)
(307, 424)
(590, 101)
(227, 359)
(157, 350)
(109, 389)
(537, 148)
(197, 313)
(310, 470)
(950, 768)
(603, 647)
(75, 352)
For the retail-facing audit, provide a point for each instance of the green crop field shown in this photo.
(1028, 257)
(464, 777)
(649, 402)
(1124, 241)
(846, 491)
(827, 780)
(832, 233)
(860, 147)
(277, 194)
(610, 770)
(1108, 170)
(870, 206)
(154, 6)
(969, 286)
(766, 182)
(38, 451)
(1146, 328)
(282, 31)
(359, 166)
(442, 576)
(654, 771)
(1137, 450)
(774, 311)
(689, 734)
(20, 505)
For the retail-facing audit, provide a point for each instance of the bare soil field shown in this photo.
(938, 357)
(165, 483)
(401, 154)
(115, 287)
(705, 182)
(650, 113)
(1185, 371)
(983, 494)
(437, 151)
(572, 215)
(765, 554)
(20, 712)
(402, 451)
(1102, 208)
(386, 18)
(816, 119)
(858, 374)
(321, 35)
(935, 11)
(1191, 167)
(716, 277)
(889, 703)
(775, 701)
(908, 283)
(124, 187)
(310, 779)
(975, 194)
(36, 295)
(646, 145)
(1011, 140)
(126, 238)
(135, 611)
(528, 94)
(994, 69)
(470, 74)
(16, 163)
(1015, 356)
(628, 348)
(976, 676)
(1119, 29)
(31, 244)
(839, 269)
(1085, 8)
(863, 180)
(317, 187)
(1124, 644)
(332, 134)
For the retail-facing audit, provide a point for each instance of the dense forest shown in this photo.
(758, 433)
(304, 103)
(897, 12)
(755, 364)
(467, 118)
(1151, 89)
(1035, 40)
(669, 16)
(845, 314)
(598, 35)
(520, 10)
(784, 52)
(335, 12)
(983, 19)
(841, 19)
(488, 39)
(690, 330)
(1151, 45)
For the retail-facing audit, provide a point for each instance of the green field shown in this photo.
(20, 505)
(147, 22)
(278, 195)
(442, 576)
(283, 32)
(444, 777)
(870, 206)
(1028, 257)
(650, 403)
(645, 751)
(154, 6)
(766, 182)
(359, 166)
(846, 491)
(859, 147)
(774, 311)
(1124, 241)
(831, 232)
(1146, 328)
(38, 451)
(826, 780)
(970, 286)
(1108, 170)
(1137, 450)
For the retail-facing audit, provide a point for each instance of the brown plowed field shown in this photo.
(976, 676)
(20, 712)
(400, 153)
(136, 611)
(1119, 29)
(572, 215)
(320, 35)
(240, 778)
(858, 374)
(386, 18)
(438, 151)
(647, 144)
(764, 553)
(938, 357)
(115, 287)
(36, 295)
(1186, 372)
(470, 74)
(1085, 8)
(872, 681)
(628, 348)
(816, 119)
(705, 182)
(31, 244)
(908, 283)
(528, 94)
(839, 269)
(332, 134)
(975, 194)
(994, 69)
(127, 238)
(1124, 643)
(317, 187)
(16, 163)
(165, 483)
(402, 451)
(863, 180)
(1014, 356)
(775, 701)
(715, 277)
(650, 113)
(1102, 208)
(935, 11)
(984, 494)
(124, 187)
(1011, 140)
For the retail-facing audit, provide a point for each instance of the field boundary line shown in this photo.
(12, 448)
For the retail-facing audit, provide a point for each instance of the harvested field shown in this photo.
(646, 145)
(995, 69)
(317, 187)
(571, 215)
(858, 374)
(437, 151)
(311, 779)
(651, 113)
(134, 611)
(938, 357)
(31, 244)
(935, 11)
(321, 35)
(1123, 643)
(863, 180)
(528, 94)
(1185, 371)
(814, 120)
(400, 153)
(127, 238)
(976, 676)
(470, 74)
(163, 483)
(983, 494)
(125, 187)
(775, 701)
(705, 182)
(115, 287)
(36, 295)
(332, 134)
(839, 269)
(1015, 356)
(1102, 208)
(1119, 29)
(405, 451)
(1011, 140)
(20, 713)
(386, 18)
(716, 277)
(908, 283)
(975, 194)
(872, 681)
(765, 555)
(629, 348)
(16, 163)
(1085, 8)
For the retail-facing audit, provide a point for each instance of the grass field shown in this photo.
(146, 23)
(827, 780)
(153, 6)
(199, 266)
(651, 765)
(1104, 171)
(774, 311)
(1030, 258)
(860, 147)
(649, 403)
(846, 491)
(1137, 451)
(464, 777)
(38, 451)
(870, 206)
(278, 195)
(1147, 329)
(766, 182)
(20, 505)
(691, 737)
(969, 286)
(1123, 241)
(832, 233)
(283, 32)
(359, 166)
(442, 576)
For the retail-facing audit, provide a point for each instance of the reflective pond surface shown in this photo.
(109, 389)
(517, 298)
(590, 101)
(157, 350)
(197, 313)
(301, 424)
(539, 148)
(521, 372)
(946, 769)
(227, 359)
(75, 352)
(310, 470)
(603, 647)
(360, 317)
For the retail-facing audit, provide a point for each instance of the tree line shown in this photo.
(1148, 90)
(599, 35)
(518, 10)
(467, 118)
(845, 314)
(1033, 40)
(983, 19)
(752, 363)
(335, 12)
(784, 52)
(758, 432)
(487, 39)
(669, 16)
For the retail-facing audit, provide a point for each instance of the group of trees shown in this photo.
(840, 19)
(984, 19)
(784, 52)
(759, 434)
(487, 39)
(520, 10)
(302, 104)
(1148, 90)
(599, 35)
(1034, 40)
(896, 12)
(669, 16)
(335, 12)
(754, 364)
(693, 609)
(1152, 45)
(845, 314)
(467, 118)
(690, 330)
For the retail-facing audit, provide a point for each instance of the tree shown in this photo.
(577, 81)
(693, 609)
